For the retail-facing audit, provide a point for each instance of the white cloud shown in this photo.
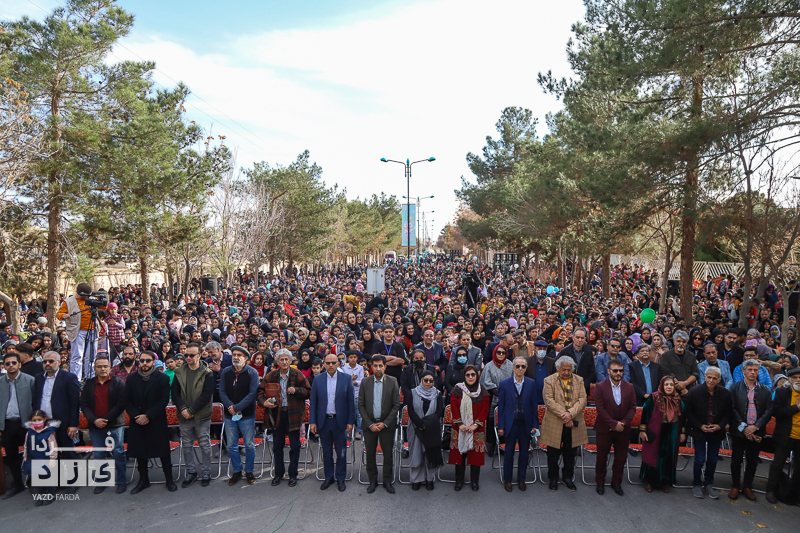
(424, 80)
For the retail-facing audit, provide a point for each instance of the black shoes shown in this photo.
(277, 481)
(554, 485)
(292, 481)
(372, 487)
(617, 489)
(429, 485)
(121, 488)
(231, 482)
(251, 479)
(13, 491)
(341, 486)
(140, 487)
(171, 486)
(569, 484)
(192, 477)
(475, 487)
(325, 484)
(206, 480)
(388, 486)
(771, 498)
(99, 490)
(600, 490)
(415, 486)
(459, 486)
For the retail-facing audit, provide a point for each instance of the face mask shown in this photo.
(540, 354)
(796, 387)
(37, 425)
(438, 326)
(462, 360)
(419, 365)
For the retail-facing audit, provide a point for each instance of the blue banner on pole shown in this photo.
(409, 212)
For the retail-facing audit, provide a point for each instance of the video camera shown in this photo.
(97, 299)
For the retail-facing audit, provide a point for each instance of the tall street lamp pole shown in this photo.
(419, 210)
(407, 165)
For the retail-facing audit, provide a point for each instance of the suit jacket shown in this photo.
(345, 400)
(696, 409)
(116, 402)
(638, 381)
(586, 369)
(783, 410)
(549, 366)
(390, 402)
(64, 400)
(552, 425)
(608, 412)
(25, 386)
(507, 403)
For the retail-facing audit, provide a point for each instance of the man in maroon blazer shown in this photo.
(615, 401)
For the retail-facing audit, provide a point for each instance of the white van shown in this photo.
(390, 256)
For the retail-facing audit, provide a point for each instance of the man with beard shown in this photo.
(146, 399)
(127, 365)
(680, 363)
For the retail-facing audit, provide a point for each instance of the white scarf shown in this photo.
(465, 437)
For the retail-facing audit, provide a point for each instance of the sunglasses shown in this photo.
(52, 361)
(471, 375)
(10, 363)
(520, 366)
(500, 352)
(146, 360)
(427, 380)
(615, 371)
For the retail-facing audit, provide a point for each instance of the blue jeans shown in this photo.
(244, 429)
(98, 437)
(712, 442)
(358, 418)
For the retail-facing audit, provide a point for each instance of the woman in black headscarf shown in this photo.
(425, 410)
(471, 283)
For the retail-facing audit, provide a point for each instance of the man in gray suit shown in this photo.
(378, 403)
(16, 405)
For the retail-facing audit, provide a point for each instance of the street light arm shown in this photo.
(420, 161)
(392, 161)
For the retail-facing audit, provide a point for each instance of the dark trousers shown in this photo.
(516, 435)
(144, 474)
(371, 440)
(491, 440)
(781, 454)
(605, 440)
(65, 441)
(474, 471)
(330, 437)
(13, 438)
(567, 452)
(279, 435)
(706, 451)
(744, 447)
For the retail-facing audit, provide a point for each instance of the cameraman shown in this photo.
(78, 318)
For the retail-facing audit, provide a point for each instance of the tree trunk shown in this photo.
(53, 249)
(662, 302)
(12, 310)
(605, 280)
(577, 272)
(689, 211)
(145, 278)
(785, 295)
(744, 310)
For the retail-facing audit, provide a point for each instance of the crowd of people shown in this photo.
(450, 356)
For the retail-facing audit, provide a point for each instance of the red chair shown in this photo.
(590, 419)
(590, 398)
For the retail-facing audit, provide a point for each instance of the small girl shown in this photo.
(40, 443)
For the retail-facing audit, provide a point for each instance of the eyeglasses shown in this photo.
(192, 355)
(427, 380)
(500, 352)
(10, 363)
(51, 361)
(520, 366)
(331, 362)
(471, 375)
(146, 360)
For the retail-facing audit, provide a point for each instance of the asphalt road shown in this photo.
(263, 508)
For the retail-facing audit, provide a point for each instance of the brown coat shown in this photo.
(552, 425)
(296, 403)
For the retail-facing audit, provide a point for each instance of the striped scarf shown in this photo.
(567, 389)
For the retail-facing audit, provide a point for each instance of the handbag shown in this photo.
(273, 390)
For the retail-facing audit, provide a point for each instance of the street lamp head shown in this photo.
(384, 159)
(431, 159)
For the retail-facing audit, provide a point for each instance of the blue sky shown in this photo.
(353, 81)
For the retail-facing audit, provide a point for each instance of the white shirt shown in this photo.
(331, 383)
(47, 393)
(616, 390)
(358, 372)
(519, 384)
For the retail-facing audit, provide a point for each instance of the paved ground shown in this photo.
(262, 508)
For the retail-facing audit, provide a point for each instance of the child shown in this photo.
(40, 443)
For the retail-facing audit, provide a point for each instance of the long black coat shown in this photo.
(149, 398)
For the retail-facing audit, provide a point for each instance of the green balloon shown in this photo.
(647, 316)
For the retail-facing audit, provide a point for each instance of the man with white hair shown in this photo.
(680, 363)
(708, 411)
(563, 428)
